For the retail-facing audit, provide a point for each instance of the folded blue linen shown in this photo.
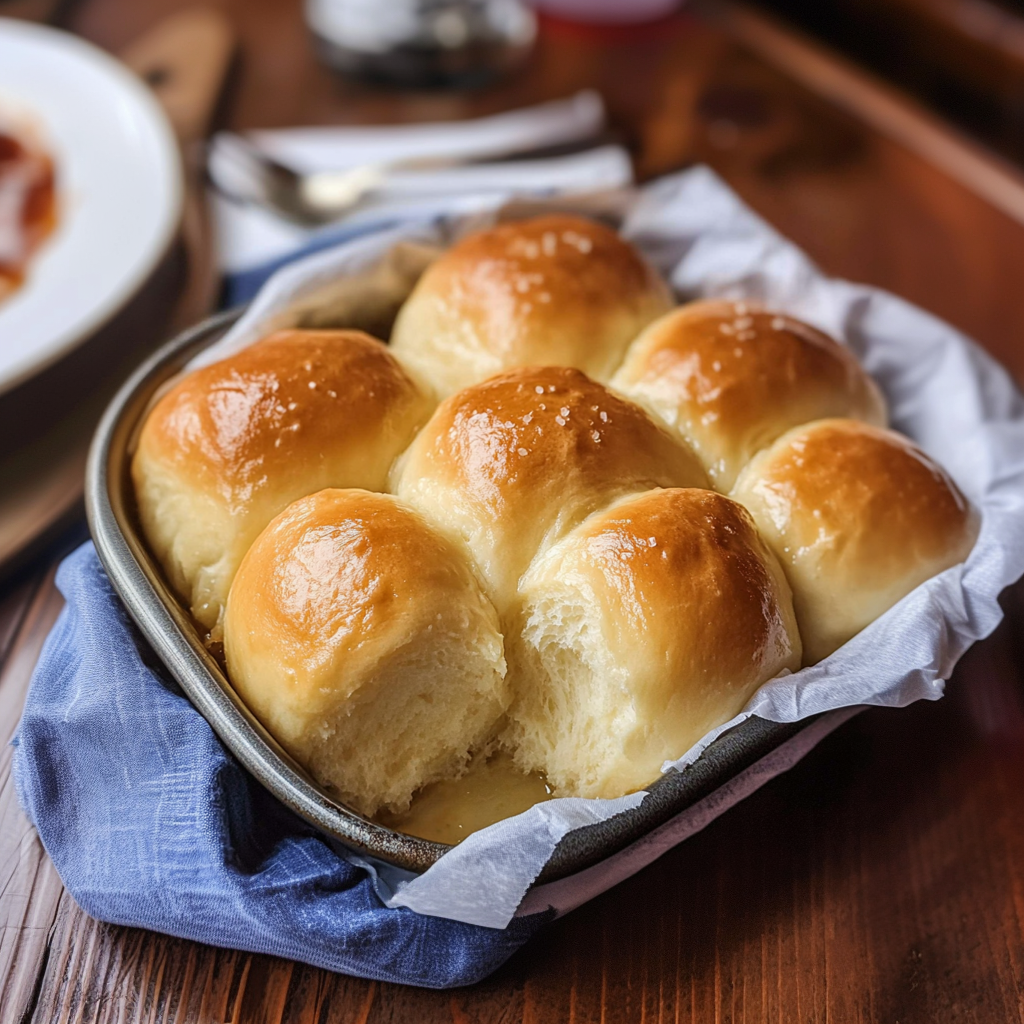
(150, 822)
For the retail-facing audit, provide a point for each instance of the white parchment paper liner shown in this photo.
(943, 391)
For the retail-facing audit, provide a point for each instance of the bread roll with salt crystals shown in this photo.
(647, 626)
(731, 378)
(555, 290)
(360, 638)
(233, 443)
(858, 517)
(511, 464)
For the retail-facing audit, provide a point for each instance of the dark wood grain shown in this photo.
(965, 57)
(29, 886)
(880, 880)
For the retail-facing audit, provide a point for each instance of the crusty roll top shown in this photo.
(556, 290)
(232, 444)
(858, 516)
(263, 414)
(648, 625)
(510, 464)
(341, 579)
(687, 571)
(731, 378)
(351, 626)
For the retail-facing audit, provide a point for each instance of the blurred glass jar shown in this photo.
(423, 42)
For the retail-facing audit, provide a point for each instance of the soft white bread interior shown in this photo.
(858, 517)
(554, 290)
(232, 444)
(648, 625)
(509, 465)
(360, 638)
(731, 378)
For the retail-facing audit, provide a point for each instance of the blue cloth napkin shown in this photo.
(150, 821)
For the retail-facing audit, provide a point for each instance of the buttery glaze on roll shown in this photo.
(556, 290)
(648, 625)
(233, 443)
(731, 378)
(360, 638)
(511, 464)
(858, 517)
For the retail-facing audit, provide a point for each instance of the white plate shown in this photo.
(119, 191)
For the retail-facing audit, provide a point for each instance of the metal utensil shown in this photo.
(244, 172)
(252, 176)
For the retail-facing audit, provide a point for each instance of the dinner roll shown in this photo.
(513, 463)
(648, 625)
(556, 290)
(858, 517)
(232, 444)
(360, 638)
(731, 378)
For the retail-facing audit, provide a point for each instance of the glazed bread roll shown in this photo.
(233, 443)
(731, 379)
(858, 517)
(555, 290)
(360, 638)
(648, 625)
(509, 465)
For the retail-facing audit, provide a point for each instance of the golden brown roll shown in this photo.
(360, 638)
(513, 463)
(556, 290)
(233, 443)
(858, 517)
(731, 379)
(648, 625)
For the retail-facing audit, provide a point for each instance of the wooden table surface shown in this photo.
(882, 879)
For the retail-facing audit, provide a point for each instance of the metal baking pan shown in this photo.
(169, 629)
